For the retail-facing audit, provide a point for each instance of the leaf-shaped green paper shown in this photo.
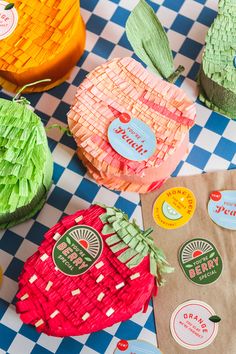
(133, 243)
(215, 319)
(25, 163)
(149, 40)
(9, 6)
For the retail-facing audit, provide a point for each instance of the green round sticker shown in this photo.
(77, 250)
(200, 261)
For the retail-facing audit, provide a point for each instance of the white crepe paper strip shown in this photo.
(39, 323)
(79, 218)
(118, 286)
(24, 297)
(85, 316)
(44, 257)
(100, 296)
(75, 292)
(33, 278)
(99, 265)
(135, 276)
(100, 278)
(49, 285)
(110, 312)
(54, 314)
(56, 236)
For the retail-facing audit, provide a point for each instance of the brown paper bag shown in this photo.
(221, 295)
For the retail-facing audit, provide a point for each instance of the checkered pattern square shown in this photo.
(212, 146)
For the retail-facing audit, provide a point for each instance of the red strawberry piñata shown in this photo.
(93, 269)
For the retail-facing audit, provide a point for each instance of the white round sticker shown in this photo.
(8, 19)
(190, 325)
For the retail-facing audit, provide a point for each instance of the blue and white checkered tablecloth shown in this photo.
(213, 146)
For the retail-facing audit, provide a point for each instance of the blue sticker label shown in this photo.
(136, 347)
(222, 208)
(132, 138)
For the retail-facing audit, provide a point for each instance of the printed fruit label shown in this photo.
(174, 207)
(132, 138)
(200, 261)
(191, 327)
(8, 19)
(136, 347)
(77, 250)
(222, 208)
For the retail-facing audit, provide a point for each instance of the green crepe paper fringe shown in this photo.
(220, 99)
(23, 213)
(136, 243)
(217, 76)
(26, 212)
(25, 162)
(150, 42)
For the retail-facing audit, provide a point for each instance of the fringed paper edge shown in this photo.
(134, 243)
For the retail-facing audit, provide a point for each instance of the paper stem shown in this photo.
(148, 232)
(173, 77)
(28, 85)
(62, 129)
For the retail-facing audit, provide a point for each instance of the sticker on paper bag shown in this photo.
(191, 325)
(132, 138)
(222, 208)
(135, 347)
(8, 19)
(200, 261)
(77, 250)
(174, 207)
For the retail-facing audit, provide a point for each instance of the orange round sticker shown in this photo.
(174, 207)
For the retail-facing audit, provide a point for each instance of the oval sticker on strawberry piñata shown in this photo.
(132, 138)
(77, 250)
(200, 261)
(222, 208)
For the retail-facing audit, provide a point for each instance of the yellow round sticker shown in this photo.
(174, 207)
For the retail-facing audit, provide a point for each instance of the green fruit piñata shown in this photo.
(25, 163)
(217, 76)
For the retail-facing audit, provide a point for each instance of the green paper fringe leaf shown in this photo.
(150, 42)
(135, 243)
